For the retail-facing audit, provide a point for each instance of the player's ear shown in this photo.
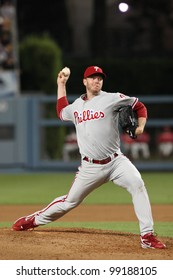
(84, 82)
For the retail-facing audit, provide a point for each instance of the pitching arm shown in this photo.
(62, 79)
(62, 101)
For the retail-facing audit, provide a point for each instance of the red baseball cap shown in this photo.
(91, 70)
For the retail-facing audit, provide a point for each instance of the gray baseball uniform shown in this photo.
(96, 122)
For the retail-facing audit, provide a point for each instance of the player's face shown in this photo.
(93, 84)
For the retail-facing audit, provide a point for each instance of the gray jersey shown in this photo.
(96, 122)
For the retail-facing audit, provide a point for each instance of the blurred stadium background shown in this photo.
(132, 40)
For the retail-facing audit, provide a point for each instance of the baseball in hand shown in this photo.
(66, 71)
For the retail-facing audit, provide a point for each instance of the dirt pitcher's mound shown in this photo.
(77, 244)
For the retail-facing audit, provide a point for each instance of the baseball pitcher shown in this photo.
(95, 115)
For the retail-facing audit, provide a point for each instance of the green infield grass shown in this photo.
(162, 228)
(42, 188)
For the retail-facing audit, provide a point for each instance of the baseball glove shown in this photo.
(128, 120)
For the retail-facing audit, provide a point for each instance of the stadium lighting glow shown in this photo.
(123, 7)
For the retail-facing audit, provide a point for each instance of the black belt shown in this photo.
(100, 161)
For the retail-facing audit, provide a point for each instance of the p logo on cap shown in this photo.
(91, 70)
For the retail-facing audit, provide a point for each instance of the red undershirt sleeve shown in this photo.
(60, 104)
(141, 110)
